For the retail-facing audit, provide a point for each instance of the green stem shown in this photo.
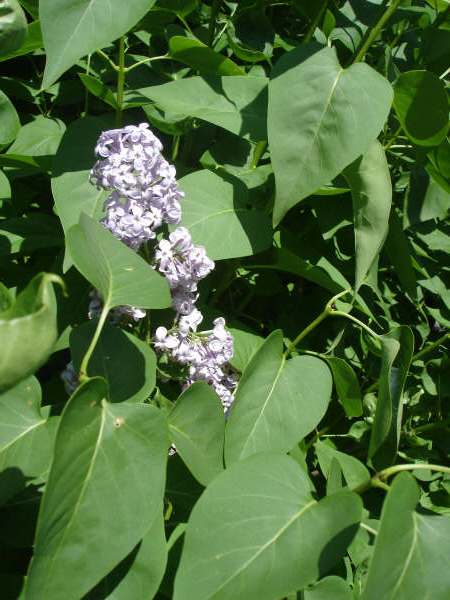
(432, 426)
(258, 152)
(328, 310)
(393, 138)
(94, 340)
(314, 24)
(339, 313)
(175, 147)
(431, 347)
(374, 32)
(212, 21)
(112, 64)
(146, 60)
(386, 473)
(120, 81)
(86, 91)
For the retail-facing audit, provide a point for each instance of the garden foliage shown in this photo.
(224, 300)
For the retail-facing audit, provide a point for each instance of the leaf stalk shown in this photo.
(374, 32)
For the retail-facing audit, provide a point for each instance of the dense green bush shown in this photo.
(302, 451)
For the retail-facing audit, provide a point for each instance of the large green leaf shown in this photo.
(370, 183)
(127, 363)
(28, 330)
(329, 588)
(72, 192)
(199, 56)
(257, 533)
(321, 117)
(73, 30)
(397, 349)
(9, 120)
(104, 491)
(415, 93)
(13, 26)
(120, 275)
(410, 560)
(400, 253)
(26, 440)
(238, 104)
(217, 214)
(277, 402)
(197, 428)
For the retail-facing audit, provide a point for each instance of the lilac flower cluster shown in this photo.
(206, 354)
(144, 192)
(183, 265)
(144, 195)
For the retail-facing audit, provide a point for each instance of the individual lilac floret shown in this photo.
(184, 265)
(143, 186)
(206, 354)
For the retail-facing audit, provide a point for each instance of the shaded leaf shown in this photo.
(197, 428)
(370, 183)
(199, 56)
(354, 471)
(396, 353)
(13, 26)
(347, 386)
(9, 120)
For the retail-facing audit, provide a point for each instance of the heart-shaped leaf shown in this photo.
(277, 402)
(321, 117)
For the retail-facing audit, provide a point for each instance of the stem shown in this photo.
(212, 21)
(340, 313)
(106, 57)
(431, 347)
(314, 24)
(385, 473)
(144, 61)
(258, 152)
(328, 310)
(86, 91)
(375, 30)
(94, 340)
(393, 138)
(120, 81)
(175, 147)
(432, 426)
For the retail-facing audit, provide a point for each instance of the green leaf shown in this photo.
(33, 41)
(321, 117)
(400, 253)
(217, 215)
(26, 440)
(397, 349)
(13, 26)
(139, 575)
(329, 588)
(257, 533)
(120, 275)
(9, 120)
(26, 234)
(127, 363)
(72, 192)
(28, 330)
(99, 89)
(245, 344)
(199, 56)
(354, 471)
(197, 428)
(277, 403)
(181, 7)
(75, 30)
(347, 386)
(414, 93)
(40, 137)
(251, 35)
(370, 183)
(238, 104)
(410, 558)
(107, 478)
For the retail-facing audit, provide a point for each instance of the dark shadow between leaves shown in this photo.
(335, 549)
